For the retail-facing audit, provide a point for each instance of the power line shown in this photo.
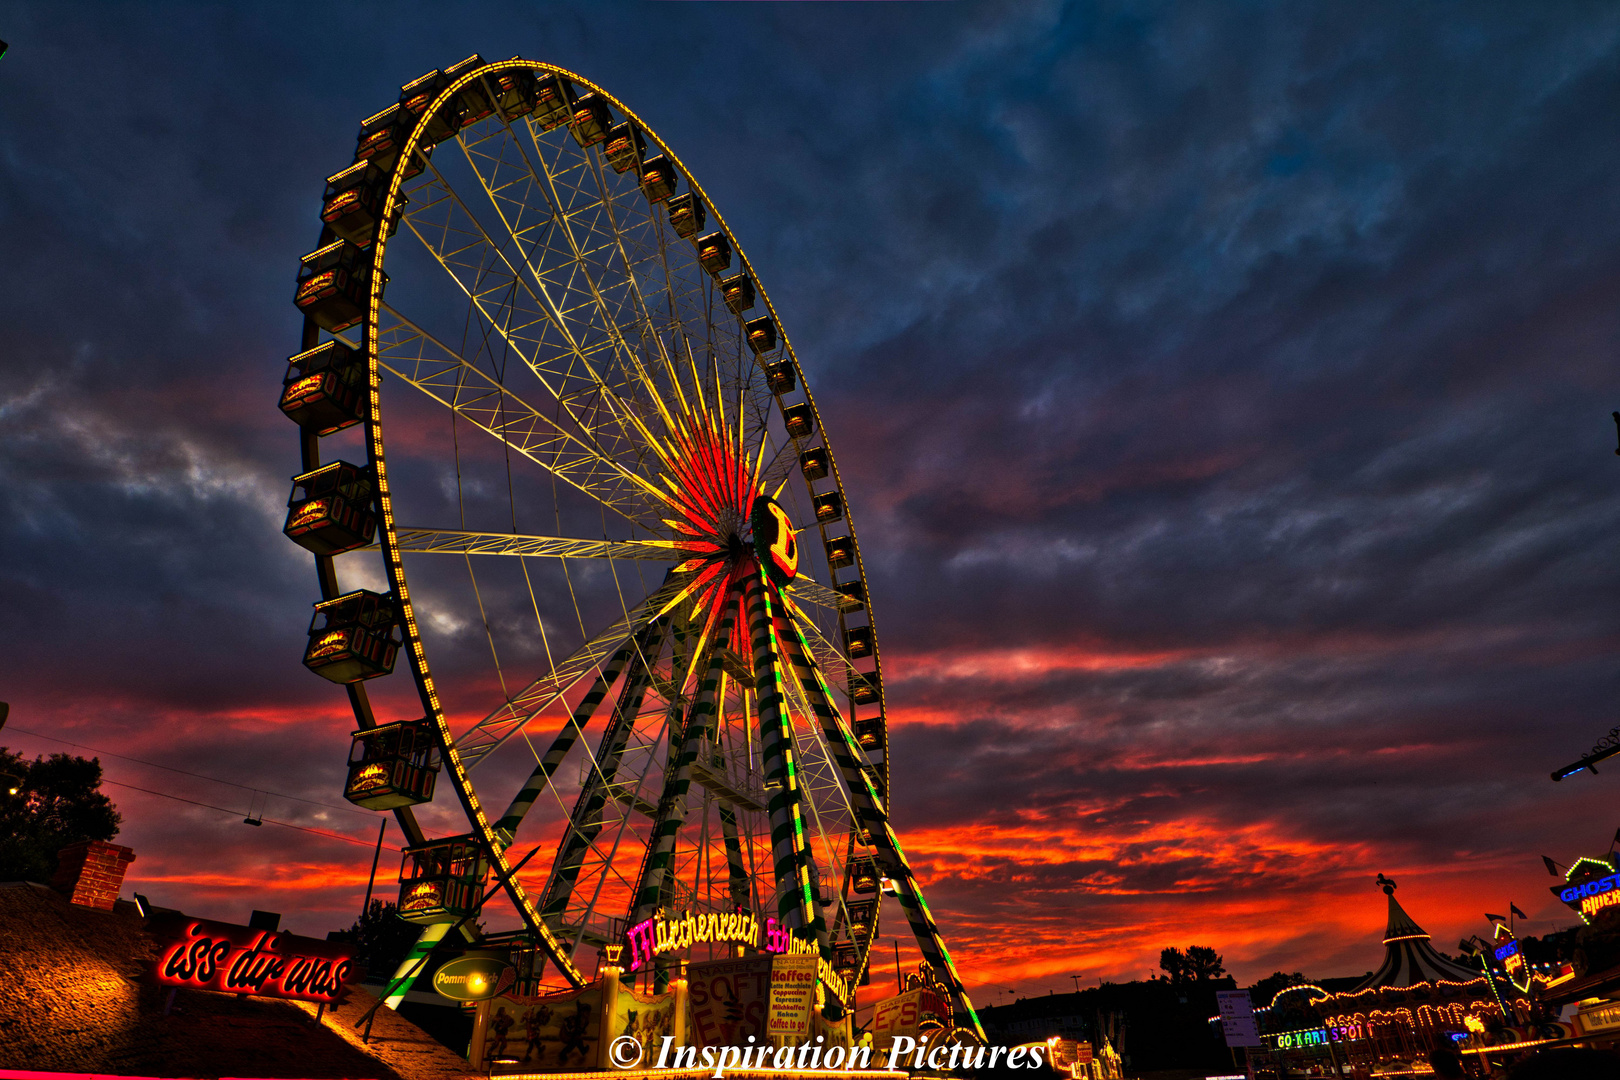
(184, 772)
(233, 813)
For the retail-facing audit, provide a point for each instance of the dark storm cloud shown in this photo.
(1247, 369)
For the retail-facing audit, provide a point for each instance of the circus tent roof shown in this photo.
(1409, 959)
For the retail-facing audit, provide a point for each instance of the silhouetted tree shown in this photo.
(1203, 964)
(381, 938)
(1174, 964)
(57, 802)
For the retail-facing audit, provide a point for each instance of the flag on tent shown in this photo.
(1515, 909)
(1496, 918)
(1552, 867)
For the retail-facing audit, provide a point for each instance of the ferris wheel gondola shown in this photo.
(603, 463)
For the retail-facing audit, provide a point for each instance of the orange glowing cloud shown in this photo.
(1027, 662)
(276, 877)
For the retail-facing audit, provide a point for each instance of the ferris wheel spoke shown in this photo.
(641, 310)
(573, 261)
(521, 708)
(601, 788)
(629, 436)
(417, 541)
(572, 256)
(416, 357)
(528, 239)
(813, 591)
(606, 327)
(591, 199)
(536, 331)
(572, 732)
(774, 475)
(823, 652)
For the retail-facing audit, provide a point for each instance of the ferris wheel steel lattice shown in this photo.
(585, 533)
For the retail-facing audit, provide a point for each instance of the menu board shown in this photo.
(793, 996)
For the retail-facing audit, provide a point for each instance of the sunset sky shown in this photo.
(1223, 390)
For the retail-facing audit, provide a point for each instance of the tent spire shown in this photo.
(1409, 959)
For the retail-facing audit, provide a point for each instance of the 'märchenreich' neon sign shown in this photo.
(660, 934)
(239, 960)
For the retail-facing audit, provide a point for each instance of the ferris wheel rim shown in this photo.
(864, 784)
(414, 647)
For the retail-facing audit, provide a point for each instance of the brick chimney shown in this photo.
(92, 872)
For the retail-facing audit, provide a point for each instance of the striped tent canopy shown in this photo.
(1409, 959)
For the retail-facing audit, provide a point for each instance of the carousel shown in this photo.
(1417, 1001)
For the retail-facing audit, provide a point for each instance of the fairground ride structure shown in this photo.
(601, 451)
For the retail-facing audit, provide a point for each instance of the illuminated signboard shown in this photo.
(474, 978)
(1294, 1040)
(660, 934)
(1604, 1017)
(1297, 1040)
(1590, 886)
(774, 540)
(205, 955)
(1511, 957)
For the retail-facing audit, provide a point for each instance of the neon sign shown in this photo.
(1592, 885)
(240, 960)
(660, 934)
(1511, 957)
(369, 777)
(774, 541)
(1572, 894)
(424, 896)
(1591, 905)
(1296, 1040)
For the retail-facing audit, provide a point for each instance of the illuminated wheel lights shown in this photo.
(565, 349)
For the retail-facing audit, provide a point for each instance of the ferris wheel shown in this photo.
(608, 535)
